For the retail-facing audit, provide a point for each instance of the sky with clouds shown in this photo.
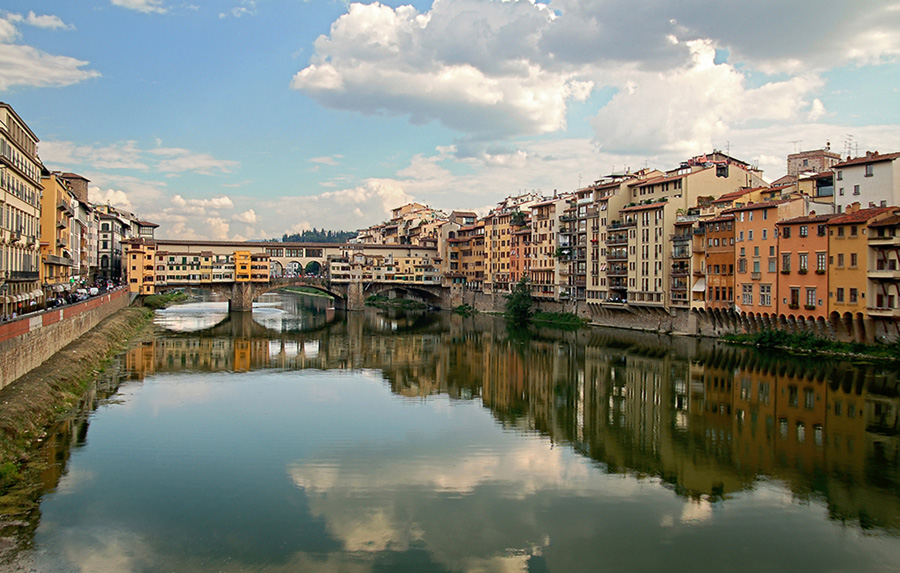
(247, 119)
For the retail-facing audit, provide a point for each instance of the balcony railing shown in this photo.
(23, 275)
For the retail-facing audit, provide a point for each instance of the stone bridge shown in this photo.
(348, 295)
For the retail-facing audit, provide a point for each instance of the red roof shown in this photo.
(860, 216)
(869, 158)
(808, 219)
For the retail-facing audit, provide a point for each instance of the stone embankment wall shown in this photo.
(686, 322)
(27, 342)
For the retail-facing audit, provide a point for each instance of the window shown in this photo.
(853, 231)
(764, 233)
(840, 260)
(869, 170)
(852, 260)
(856, 189)
(785, 262)
(810, 298)
(765, 295)
(795, 297)
(747, 294)
(803, 261)
(841, 191)
(853, 296)
(820, 262)
(786, 232)
(750, 235)
(809, 399)
(772, 265)
(840, 175)
(839, 295)
(804, 231)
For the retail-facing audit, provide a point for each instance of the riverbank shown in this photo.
(33, 403)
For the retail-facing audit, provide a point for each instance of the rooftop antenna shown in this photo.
(848, 145)
(796, 143)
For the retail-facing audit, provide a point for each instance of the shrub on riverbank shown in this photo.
(404, 303)
(162, 300)
(465, 310)
(560, 319)
(519, 303)
(808, 342)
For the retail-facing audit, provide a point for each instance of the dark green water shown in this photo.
(300, 440)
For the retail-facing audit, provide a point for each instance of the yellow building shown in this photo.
(140, 268)
(57, 215)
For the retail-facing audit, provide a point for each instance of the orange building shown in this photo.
(803, 252)
(719, 262)
(756, 279)
(848, 267)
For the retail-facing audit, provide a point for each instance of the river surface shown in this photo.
(298, 439)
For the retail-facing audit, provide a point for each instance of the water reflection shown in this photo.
(434, 442)
(708, 420)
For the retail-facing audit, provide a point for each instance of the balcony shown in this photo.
(884, 274)
(755, 276)
(884, 241)
(678, 271)
(567, 217)
(883, 312)
(23, 275)
(55, 260)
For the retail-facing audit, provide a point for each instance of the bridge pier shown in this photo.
(355, 296)
(242, 296)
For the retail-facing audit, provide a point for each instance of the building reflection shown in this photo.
(706, 420)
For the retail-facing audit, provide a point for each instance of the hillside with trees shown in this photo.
(318, 236)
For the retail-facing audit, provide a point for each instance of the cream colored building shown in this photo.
(20, 210)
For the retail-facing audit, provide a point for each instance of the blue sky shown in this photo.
(249, 119)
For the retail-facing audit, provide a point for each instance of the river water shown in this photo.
(298, 439)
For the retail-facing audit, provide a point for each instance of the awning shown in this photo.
(58, 288)
(700, 285)
(38, 293)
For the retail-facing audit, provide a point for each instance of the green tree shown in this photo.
(518, 303)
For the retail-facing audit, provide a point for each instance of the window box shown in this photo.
(809, 307)
(820, 271)
(802, 271)
(793, 306)
(785, 271)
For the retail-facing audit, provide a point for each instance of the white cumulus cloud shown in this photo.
(145, 6)
(23, 65)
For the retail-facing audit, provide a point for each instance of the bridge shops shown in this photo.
(232, 268)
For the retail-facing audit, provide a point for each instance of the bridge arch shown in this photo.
(427, 294)
(241, 295)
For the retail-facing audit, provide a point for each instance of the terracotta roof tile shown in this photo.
(860, 216)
